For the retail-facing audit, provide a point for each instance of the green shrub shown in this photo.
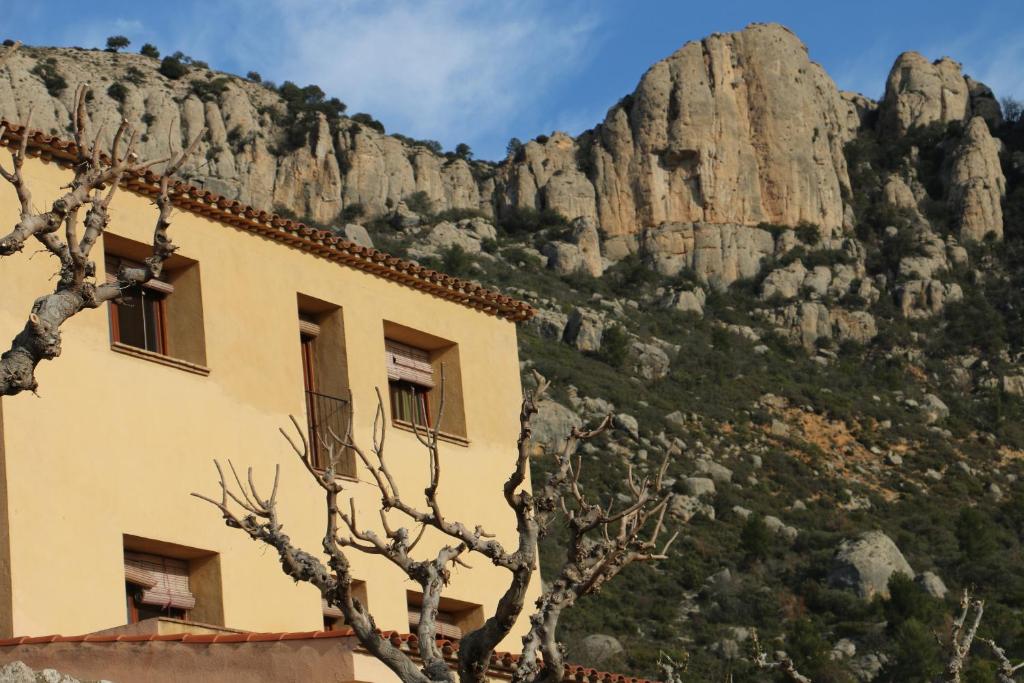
(368, 121)
(352, 212)
(254, 76)
(457, 261)
(528, 221)
(455, 215)
(173, 68)
(808, 233)
(755, 538)
(149, 50)
(614, 346)
(419, 202)
(209, 90)
(463, 151)
(302, 106)
(118, 92)
(135, 76)
(115, 43)
(51, 76)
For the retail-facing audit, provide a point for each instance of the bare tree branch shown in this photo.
(95, 181)
(592, 559)
(1007, 670)
(962, 637)
(783, 663)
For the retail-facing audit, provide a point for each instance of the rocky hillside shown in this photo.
(819, 298)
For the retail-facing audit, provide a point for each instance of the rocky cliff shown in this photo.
(730, 132)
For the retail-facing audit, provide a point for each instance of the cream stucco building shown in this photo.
(256, 319)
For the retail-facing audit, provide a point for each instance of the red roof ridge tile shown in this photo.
(313, 240)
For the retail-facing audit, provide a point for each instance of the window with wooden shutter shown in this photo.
(157, 586)
(447, 623)
(139, 319)
(410, 379)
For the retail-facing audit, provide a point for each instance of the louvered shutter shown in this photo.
(408, 364)
(164, 580)
(445, 623)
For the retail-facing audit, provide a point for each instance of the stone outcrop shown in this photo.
(580, 253)
(977, 184)
(866, 564)
(919, 92)
(738, 128)
(718, 254)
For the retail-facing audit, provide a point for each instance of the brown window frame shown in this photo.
(418, 394)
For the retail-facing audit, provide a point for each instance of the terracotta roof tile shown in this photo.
(322, 243)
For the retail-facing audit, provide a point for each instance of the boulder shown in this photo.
(628, 424)
(926, 298)
(357, 234)
(597, 648)
(583, 330)
(933, 409)
(865, 564)
(685, 508)
(685, 301)
(548, 323)
(720, 474)
(698, 486)
(932, 584)
(552, 424)
(784, 283)
(648, 361)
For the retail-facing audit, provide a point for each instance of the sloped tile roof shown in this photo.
(293, 233)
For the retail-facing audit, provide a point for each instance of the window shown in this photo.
(454, 617)
(410, 379)
(140, 318)
(416, 362)
(156, 586)
(325, 381)
(173, 581)
(160, 320)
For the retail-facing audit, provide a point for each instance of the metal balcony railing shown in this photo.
(327, 415)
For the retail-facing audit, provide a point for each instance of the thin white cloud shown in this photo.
(450, 71)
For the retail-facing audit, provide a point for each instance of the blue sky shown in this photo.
(482, 72)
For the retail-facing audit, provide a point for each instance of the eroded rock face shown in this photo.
(919, 92)
(866, 563)
(977, 184)
(738, 128)
(718, 254)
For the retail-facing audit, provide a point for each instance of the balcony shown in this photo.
(329, 415)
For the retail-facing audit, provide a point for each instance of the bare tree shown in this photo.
(783, 663)
(601, 542)
(96, 178)
(962, 637)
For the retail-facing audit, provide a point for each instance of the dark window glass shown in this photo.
(139, 320)
(409, 403)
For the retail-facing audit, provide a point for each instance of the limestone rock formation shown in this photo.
(919, 92)
(718, 254)
(977, 184)
(738, 128)
(866, 563)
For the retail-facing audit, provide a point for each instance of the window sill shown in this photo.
(443, 436)
(338, 475)
(159, 358)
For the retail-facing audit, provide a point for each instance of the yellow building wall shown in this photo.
(113, 445)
